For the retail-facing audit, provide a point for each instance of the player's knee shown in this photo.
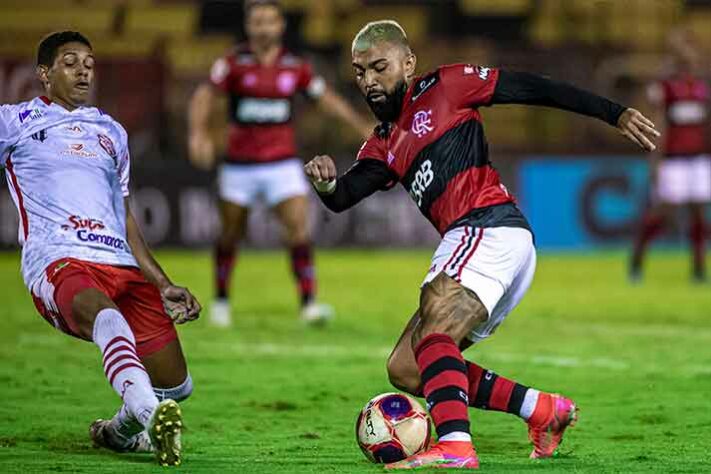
(179, 393)
(403, 377)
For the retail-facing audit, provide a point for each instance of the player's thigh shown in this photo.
(233, 220)
(485, 261)
(700, 180)
(284, 180)
(156, 338)
(293, 215)
(69, 296)
(673, 181)
(239, 184)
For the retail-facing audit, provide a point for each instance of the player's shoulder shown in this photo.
(465, 69)
(290, 59)
(376, 147)
(107, 121)
(22, 114)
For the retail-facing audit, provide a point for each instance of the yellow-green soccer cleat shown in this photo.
(164, 429)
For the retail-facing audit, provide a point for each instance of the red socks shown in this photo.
(444, 378)
(303, 267)
(224, 263)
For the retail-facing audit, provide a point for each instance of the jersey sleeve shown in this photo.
(8, 131)
(311, 83)
(221, 74)
(373, 149)
(123, 162)
(468, 85)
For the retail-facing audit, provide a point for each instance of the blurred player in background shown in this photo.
(431, 140)
(261, 79)
(682, 170)
(84, 260)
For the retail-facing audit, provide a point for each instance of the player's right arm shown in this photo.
(8, 131)
(365, 177)
(201, 146)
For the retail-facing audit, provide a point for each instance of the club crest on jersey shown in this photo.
(286, 82)
(422, 123)
(29, 115)
(107, 145)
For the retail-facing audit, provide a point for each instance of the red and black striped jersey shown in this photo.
(685, 100)
(261, 103)
(437, 148)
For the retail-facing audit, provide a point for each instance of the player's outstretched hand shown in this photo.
(638, 128)
(180, 304)
(322, 173)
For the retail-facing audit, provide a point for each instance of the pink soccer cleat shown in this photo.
(547, 436)
(442, 455)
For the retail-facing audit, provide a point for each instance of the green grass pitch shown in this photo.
(274, 397)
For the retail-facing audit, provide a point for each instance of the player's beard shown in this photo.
(389, 110)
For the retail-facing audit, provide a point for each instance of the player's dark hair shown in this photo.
(250, 4)
(48, 47)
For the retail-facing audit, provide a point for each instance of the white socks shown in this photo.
(122, 366)
(456, 436)
(529, 403)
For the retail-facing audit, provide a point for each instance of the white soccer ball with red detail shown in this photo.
(391, 427)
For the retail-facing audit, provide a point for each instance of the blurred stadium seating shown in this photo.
(152, 54)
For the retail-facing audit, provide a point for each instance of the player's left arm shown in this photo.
(179, 303)
(530, 89)
(333, 103)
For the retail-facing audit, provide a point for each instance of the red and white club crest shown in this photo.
(107, 145)
(249, 80)
(422, 123)
(286, 82)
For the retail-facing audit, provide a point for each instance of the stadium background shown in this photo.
(152, 54)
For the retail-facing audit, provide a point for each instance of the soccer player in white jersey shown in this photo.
(84, 260)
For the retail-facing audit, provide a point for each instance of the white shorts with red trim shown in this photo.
(683, 180)
(274, 182)
(496, 263)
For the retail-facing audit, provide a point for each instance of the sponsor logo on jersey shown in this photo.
(107, 145)
(252, 110)
(77, 149)
(74, 129)
(424, 85)
(687, 112)
(78, 222)
(286, 82)
(85, 230)
(29, 115)
(423, 179)
(40, 136)
(483, 72)
(391, 157)
(422, 123)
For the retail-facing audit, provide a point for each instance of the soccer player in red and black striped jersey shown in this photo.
(682, 171)
(261, 79)
(431, 140)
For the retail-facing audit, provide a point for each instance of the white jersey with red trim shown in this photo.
(68, 174)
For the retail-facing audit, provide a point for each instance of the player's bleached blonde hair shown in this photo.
(379, 31)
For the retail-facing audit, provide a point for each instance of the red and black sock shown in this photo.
(697, 235)
(445, 384)
(652, 226)
(302, 265)
(224, 263)
(489, 391)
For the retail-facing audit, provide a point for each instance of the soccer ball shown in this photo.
(391, 427)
